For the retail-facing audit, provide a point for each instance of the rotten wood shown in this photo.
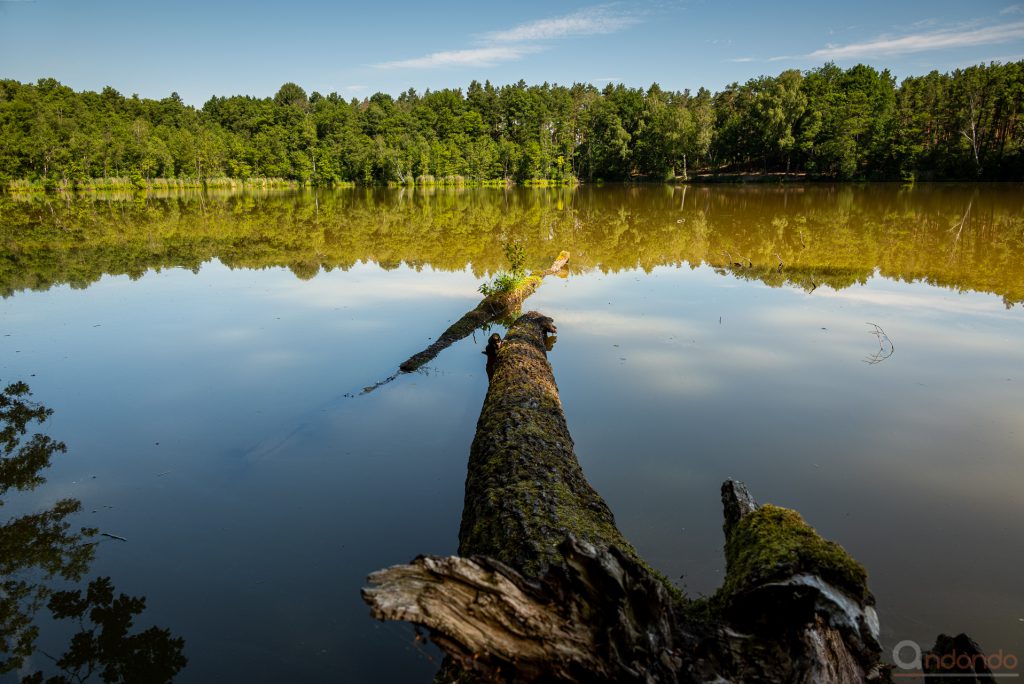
(493, 621)
(525, 490)
(546, 588)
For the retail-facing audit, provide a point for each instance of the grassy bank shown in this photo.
(124, 184)
(129, 185)
(457, 181)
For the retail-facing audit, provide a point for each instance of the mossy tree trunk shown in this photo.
(525, 490)
(547, 588)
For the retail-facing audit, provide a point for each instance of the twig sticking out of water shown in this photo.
(885, 346)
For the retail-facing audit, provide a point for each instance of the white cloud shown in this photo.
(515, 43)
(933, 299)
(485, 56)
(586, 22)
(921, 42)
(1013, 9)
(1002, 59)
(741, 60)
(367, 285)
(600, 323)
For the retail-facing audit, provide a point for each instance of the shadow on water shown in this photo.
(41, 556)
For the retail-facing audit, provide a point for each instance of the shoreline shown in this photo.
(123, 185)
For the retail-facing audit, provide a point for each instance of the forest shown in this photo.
(828, 122)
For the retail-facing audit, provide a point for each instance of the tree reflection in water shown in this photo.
(967, 237)
(41, 550)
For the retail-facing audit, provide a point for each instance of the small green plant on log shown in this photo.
(506, 281)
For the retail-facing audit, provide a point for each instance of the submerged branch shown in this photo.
(487, 311)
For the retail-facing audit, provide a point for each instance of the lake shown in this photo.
(853, 352)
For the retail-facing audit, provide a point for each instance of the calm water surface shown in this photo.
(204, 356)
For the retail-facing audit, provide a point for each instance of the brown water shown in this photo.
(200, 353)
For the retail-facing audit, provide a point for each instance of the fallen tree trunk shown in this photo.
(487, 311)
(547, 588)
(525, 490)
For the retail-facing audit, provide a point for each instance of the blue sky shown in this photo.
(230, 47)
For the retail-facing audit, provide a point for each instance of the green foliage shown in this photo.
(506, 281)
(502, 283)
(853, 123)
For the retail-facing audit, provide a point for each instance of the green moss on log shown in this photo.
(525, 490)
(775, 543)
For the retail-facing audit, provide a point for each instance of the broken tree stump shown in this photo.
(546, 588)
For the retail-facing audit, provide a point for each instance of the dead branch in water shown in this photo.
(885, 346)
(487, 311)
(492, 308)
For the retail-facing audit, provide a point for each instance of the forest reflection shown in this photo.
(963, 236)
(42, 554)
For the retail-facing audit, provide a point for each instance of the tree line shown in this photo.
(855, 123)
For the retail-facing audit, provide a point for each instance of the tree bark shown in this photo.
(525, 490)
(547, 588)
(487, 311)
